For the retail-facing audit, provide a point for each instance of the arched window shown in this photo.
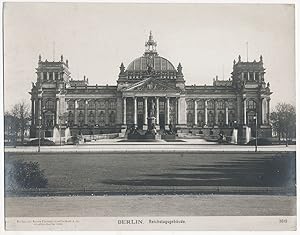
(221, 118)
(101, 118)
(250, 118)
(210, 118)
(189, 119)
(49, 105)
(71, 104)
(112, 118)
(91, 104)
(70, 118)
(210, 104)
(251, 105)
(220, 105)
(49, 119)
(201, 118)
(81, 118)
(231, 118)
(81, 104)
(91, 118)
(200, 104)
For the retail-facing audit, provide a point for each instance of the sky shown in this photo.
(97, 37)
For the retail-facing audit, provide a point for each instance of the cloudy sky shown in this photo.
(96, 38)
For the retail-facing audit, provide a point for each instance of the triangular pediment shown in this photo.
(151, 85)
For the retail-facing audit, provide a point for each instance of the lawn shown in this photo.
(163, 173)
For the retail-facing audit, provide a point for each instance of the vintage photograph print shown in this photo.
(126, 116)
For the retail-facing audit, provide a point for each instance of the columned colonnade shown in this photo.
(145, 109)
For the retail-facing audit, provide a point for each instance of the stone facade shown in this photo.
(150, 87)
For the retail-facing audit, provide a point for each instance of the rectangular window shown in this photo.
(256, 76)
(56, 76)
(45, 76)
(140, 105)
(161, 105)
(245, 75)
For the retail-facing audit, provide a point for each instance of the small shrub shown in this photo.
(25, 175)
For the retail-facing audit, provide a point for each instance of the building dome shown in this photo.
(157, 63)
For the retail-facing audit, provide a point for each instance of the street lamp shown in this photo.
(40, 123)
(255, 118)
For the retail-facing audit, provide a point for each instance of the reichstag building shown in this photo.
(150, 87)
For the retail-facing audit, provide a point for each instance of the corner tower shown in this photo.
(47, 95)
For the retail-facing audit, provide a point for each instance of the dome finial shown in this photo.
(150, 44)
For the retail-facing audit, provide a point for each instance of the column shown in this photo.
(196, 112)
(268, 111)
(226, 113)
(86, 112)
(135, 110)
(96, 111)
(47, 75)
(124, 110)
(42, 76)
(205, 112)
(57, 112)
(157, 110)
(263, 111)
(245, 112)
(32, 112)
(182, 111)
(145, 111)
(40, 112)
(168, 111)
(75, 112)
(53, 76)
(216, 112)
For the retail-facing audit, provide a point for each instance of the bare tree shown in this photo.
(21, 116)
(283, 120)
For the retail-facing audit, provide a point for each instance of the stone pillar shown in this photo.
(86, 112)
(157, 110)
(196, 112)
(226, 113)
(75, 112)
(205, 112)
(135, 110)
(182, 111)
(47, 75)
(32, 112)
(145, 111)
(268, 111)
(57, 111)
(216, 112)
(245, 112)
(124, 110)
(263, 111)
(96, 111)
(168, 111)
(39, 118)
(53, 76)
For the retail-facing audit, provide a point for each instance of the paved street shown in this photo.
(118, 146)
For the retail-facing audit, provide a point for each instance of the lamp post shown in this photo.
(40, 122)
(255, 118)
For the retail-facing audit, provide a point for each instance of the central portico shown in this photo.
(151, 102)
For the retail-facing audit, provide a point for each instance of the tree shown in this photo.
(283, 120)
(20, 116)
